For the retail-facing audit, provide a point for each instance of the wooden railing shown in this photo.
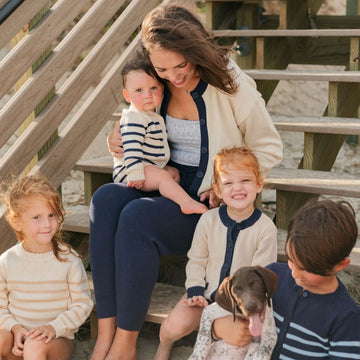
(87, 36)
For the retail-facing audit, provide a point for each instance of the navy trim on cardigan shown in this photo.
(197, 95)
(231, 237)
(195, 291)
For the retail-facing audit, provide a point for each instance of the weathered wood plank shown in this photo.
(81, 214)
(315, 182)
(31, 93)
(337, 22)
(3, 2)
(68, 95)
(260, 47)
(77, 219)
(19, 18)
(37, 41)
(317, 124)
(320, 50)
(78, 135)
(102, 164)
(354, 57)
(96, 110)
(289, 33)
(305, 75)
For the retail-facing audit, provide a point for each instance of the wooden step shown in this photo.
(317, 124)
(312, 124)
(314, 182)
(80, 215)
(296, 180)
(305, 75)
(289, 33)
(102, 165)
(77, 219)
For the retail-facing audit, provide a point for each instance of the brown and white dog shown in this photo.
(246, 294)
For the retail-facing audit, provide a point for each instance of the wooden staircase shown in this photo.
(272, 43)
(293, 186)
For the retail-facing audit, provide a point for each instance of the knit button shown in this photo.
(238, 227)
(204, 150)
(195, 95)
(202, 122)
(199, 174)
(305, 294)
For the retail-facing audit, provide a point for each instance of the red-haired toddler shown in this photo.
(226, 238)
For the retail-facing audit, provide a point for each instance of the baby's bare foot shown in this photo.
(193, 207)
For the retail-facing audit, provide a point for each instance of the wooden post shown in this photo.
(260, 53)
(283, 15)
(353, 8)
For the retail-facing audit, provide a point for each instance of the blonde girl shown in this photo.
(44, 293)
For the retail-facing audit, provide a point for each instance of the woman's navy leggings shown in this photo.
(129, 229)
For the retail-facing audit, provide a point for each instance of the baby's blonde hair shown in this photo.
(25, 188)
(240, 157)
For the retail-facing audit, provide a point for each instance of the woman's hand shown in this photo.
(233, 332)
(42, 333)
(114, 142)
(214, 201)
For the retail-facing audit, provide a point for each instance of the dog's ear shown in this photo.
(270, 279)
(224, 296)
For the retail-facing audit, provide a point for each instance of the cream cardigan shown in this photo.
(227, 120)
(215, 254)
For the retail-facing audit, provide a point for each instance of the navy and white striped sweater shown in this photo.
(145, 142)
(313, 326)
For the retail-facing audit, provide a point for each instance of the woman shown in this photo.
(208, 104)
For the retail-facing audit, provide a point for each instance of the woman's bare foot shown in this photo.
(123, 346)
(106, 333)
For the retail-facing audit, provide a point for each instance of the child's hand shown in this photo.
(19, 338)
(214, 201)
(45, 332)
(196, 301)
(136, 184)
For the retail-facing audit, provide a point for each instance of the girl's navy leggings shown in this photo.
(129, 230)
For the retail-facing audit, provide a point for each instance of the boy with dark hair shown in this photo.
(314, 314)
